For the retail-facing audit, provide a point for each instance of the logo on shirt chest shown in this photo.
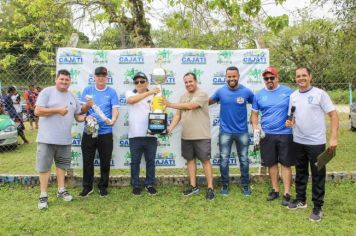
(310, 99)
(240, 100)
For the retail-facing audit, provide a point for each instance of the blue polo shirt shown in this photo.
(273, 105)
(233, 109)
(106, 99)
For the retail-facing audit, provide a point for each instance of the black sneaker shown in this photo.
(295, 204)
(86, 192)
(191, 190)
(286, 200)
(103, 192)
(272, 195)
(136, 191)
(316, 214)
(210, 194)
(151, 190)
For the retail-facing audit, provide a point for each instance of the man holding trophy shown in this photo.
(97, 135)
(142, 141)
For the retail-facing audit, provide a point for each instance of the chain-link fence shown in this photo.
(21, 82)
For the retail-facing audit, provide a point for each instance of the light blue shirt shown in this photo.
(106, 99)
(273, 105)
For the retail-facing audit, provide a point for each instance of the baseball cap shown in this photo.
(270, 69)
(140, 75)
(101, 71)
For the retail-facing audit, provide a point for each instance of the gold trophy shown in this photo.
(157, 118)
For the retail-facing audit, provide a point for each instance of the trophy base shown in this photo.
(157, 123)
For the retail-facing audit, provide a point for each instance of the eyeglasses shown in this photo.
(139, 81)
(268, 78)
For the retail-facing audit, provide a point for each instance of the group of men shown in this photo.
(56, 106)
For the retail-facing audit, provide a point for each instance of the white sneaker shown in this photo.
(65, 196)
(42, 203)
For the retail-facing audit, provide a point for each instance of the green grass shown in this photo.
(169, 213)
(22, 160)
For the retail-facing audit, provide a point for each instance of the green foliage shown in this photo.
(112, 38)
(310, 44)
(340, 96)
(29, 33)
(278, 23)
(215, 24)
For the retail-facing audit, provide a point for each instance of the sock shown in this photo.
(43, 194)
(61, 190)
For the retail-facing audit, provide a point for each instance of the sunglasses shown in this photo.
(139, 81)
(268, 78)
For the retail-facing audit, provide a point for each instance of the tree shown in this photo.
(29, 33)
(126, 15)
(216, 24)
(310, 44)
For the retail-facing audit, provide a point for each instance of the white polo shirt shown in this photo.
(138, 115)
(311, 107)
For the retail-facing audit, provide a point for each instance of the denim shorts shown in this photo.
(200, 149)
(47, 152)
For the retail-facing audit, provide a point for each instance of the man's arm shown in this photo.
(44, 111)
(181, 106)
(254, 119)
(86, 106)
(136, 98)
(211, 101)
(175, 121)
(334, 127)
(115, 116)
(79, 117)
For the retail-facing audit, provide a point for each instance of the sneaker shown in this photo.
(295, 204)
(65, 196)
(151, 190)
(42, 203)
(286, 200)
(224, 190)
(272, 195)
(103, 192)
(246, 191)
(316, 215)
(210, 194)
(136, 191)
(86, 192)
(191, 190)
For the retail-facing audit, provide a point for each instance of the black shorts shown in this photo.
(277, 148)
(200, 149)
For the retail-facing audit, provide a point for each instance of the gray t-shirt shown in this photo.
(311, 107)
(56, 129)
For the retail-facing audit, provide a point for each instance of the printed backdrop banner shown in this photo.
(208, 65)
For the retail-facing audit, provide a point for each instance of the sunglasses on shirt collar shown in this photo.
(269, 78)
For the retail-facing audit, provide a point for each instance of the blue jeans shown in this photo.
(242, 144)
(148, 147)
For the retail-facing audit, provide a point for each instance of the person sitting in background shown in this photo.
(16, 99)
(9, 107)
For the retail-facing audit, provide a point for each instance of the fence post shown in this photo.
(350, 93)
